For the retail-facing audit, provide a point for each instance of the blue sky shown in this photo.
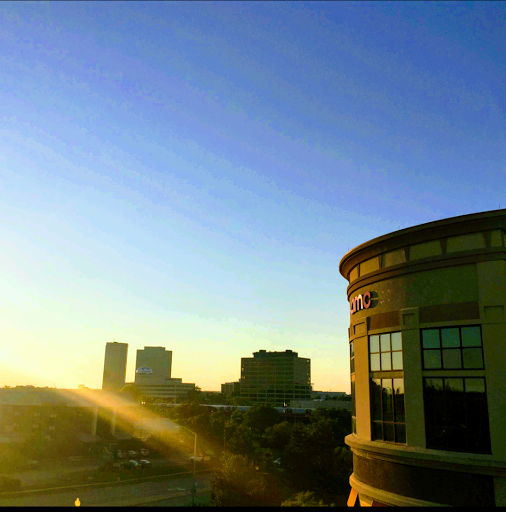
(189, 175)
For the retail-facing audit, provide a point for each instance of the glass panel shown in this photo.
(430, 338)
(400, 433)
(475, 385)
(434, 412)
(432, 359)
(398, 385)
(387, 403)
(386, 362)
(472, 358)
(352, 349)
(353, 425)
(375, 363)
(396, 341)
(450, 337)
(388, 432)
(471, 336)
(451, 359)
(478, 436)
(454, 385)
(376, 399)
(374, 343)
(377, 430)
(397, 360)
(385, 342)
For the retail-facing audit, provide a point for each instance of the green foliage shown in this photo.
(261, 417)
(304, 499)
(11, 460)
(9, 484)
(278, 436)
(238, 483)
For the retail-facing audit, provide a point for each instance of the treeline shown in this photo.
(267, 460)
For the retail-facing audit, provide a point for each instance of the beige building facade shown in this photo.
(115, 363)
(427, 355)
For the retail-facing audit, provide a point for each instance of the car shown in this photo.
(198, 458)
(144, 464)
(132, 453)
(277, 462)
(131, 464)
(144, 451)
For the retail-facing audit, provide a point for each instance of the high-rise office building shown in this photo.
(427, 343)
(115, 363)
(158, 360)
(275, 377)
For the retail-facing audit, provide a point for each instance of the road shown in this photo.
(50, 470)
(175, 492)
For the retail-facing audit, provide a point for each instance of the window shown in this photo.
(452, 348)
(387, 410)
(456, 414)
(387, 388)
(352, 372)
(385, 352)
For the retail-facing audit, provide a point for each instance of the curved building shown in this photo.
(428, 358)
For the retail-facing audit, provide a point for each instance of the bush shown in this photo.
(9, 484)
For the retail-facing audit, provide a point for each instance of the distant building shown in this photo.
(158, 359)
(320, 404)
(275, 377)
(231, 387)
(115, 363)
(153, 376)
(334, 395)
(26, 411)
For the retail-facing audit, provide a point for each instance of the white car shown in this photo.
(131, 453)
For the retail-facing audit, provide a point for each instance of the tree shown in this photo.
(260, 417)
(236, 483)
(304, 499)
(11, 461)
(278, 436)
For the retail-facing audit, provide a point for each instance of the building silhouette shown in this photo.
(115, 363)
(158, 360)
(153, 376)
(427, 343)
(275, 377)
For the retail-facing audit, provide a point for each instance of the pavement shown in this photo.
(58, 469)
(173, 492)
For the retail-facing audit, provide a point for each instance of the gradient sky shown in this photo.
(189, 175)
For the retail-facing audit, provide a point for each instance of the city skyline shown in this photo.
(190, 174)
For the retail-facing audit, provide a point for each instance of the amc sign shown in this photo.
(360, 302)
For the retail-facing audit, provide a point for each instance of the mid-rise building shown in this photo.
(158, 360)
(153, 376)
(115, 363)
(231, 387)
(427, 341)
(275, 377)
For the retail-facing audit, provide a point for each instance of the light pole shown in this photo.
(194, 490)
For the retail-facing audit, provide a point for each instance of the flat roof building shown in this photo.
(427, 341)
(275, 377)
(158, 360)
(115, 362)
(153, 376)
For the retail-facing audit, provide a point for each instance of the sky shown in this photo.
(190, 174)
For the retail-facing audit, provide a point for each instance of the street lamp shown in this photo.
(194, 459)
